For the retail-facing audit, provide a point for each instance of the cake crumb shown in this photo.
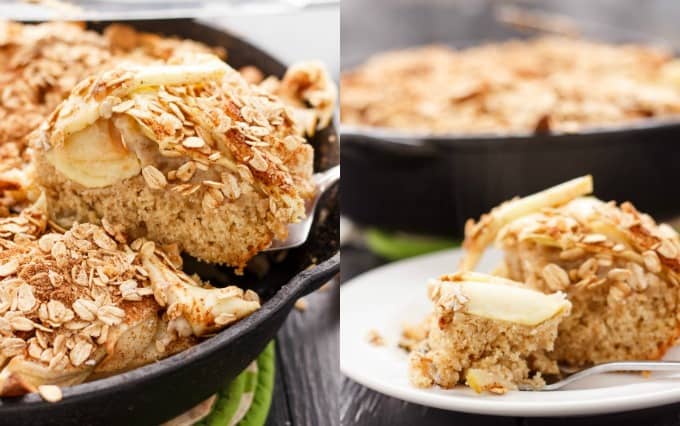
(375, 338)
(411, 335)
(301, 304)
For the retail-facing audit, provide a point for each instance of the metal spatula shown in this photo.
(298, 232)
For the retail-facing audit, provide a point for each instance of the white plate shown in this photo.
(386, 297)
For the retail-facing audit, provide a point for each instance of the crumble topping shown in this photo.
(40, 64)
(214, 132)
(617, 266)
(88, 301)
(540, 85)
(375, 338)
(69, 300)
(482, 331)
(597, 234)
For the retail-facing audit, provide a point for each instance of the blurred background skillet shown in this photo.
(432, 185)
(156, 392)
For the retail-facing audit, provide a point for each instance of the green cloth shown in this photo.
(264, 389)
(397, 245)
(246, 400)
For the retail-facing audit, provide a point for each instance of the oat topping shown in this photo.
(40, 64)
(447, 299)
(50, 393)
(618, 267)
(83, 300)
(68, 299)
(154, 177)
(203, 112)
(601, 233)
(541, 85)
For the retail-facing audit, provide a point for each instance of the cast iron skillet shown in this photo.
(432, 185)
(156, 392)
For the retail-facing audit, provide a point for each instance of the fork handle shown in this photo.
(609, 367)
(635, 366)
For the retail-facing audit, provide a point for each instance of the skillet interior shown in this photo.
(156, 392)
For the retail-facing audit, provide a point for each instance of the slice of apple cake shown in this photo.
(491, 333)
(185, 152)
(618, 267)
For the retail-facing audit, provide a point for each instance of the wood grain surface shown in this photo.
(308, 377)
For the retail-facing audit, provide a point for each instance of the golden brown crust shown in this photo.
(544, 84)
(618, 268)
(84, 301)
(454, 346)
(40, 64)
(218, 115)
(207, 142)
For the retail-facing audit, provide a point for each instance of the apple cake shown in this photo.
(186, 152)
(548, 84)
(490, 333)
(39, 66)
(617, 266)
(82, 303)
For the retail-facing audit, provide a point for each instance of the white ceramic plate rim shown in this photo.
(557, 403)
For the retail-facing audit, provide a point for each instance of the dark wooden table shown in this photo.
(307, 363)
(360, 406)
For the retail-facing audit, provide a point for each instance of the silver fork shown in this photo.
(298, 232)
(608, 367)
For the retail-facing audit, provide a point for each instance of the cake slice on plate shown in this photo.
(617, 266)
(490, 333)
